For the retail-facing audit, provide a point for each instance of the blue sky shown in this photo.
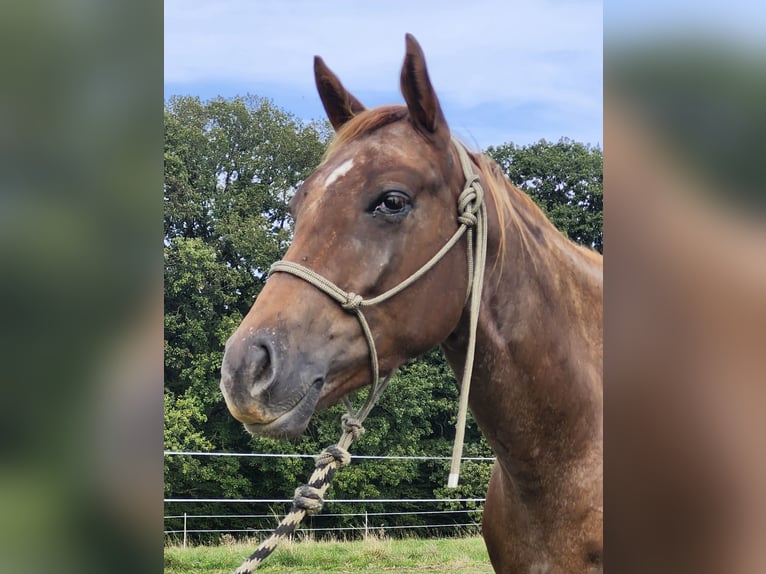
(504, 71)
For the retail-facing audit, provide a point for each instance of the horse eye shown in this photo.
(392, 203)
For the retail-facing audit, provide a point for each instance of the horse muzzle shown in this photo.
(270, 392)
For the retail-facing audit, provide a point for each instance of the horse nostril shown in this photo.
(249, 365)
(262, 366)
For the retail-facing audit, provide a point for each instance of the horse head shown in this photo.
(379, 206)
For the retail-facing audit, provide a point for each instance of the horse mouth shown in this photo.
(292, 422)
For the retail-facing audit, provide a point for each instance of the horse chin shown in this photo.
(342, 386)
(339, 388)
(292, 423)
(287, 426)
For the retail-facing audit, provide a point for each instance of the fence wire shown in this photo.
(366, 522)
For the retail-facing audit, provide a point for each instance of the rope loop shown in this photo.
(352, 425)
(352, 302)
(466, 201)
(308, 499)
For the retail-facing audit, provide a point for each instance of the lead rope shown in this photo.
(476, 283)
(309, 498)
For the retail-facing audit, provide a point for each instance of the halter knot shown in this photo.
(352, 425)
(352, 302)
(333, 454)
(469, 202)
(468, 219)
(308, 499)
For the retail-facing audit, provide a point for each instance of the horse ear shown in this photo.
(420, 96)
(338, 102)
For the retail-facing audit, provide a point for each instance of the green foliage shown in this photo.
(231, 167)
(565, 179)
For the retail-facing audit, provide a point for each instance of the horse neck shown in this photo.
(537, 368)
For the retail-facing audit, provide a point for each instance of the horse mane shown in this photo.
(364, 123)
(512, 205)
(516, 207)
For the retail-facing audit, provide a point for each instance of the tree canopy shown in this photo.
(565, 179)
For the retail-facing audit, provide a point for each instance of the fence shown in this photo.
(427, 514)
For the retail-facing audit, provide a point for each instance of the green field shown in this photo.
(408, 556)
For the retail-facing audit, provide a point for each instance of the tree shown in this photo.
(230, 168)
(565, 179)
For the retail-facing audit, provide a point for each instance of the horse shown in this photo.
(381, 203)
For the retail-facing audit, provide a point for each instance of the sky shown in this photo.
(504, 71)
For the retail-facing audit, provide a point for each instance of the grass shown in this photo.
(405, 556)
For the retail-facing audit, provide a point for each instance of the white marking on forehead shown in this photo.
(339, 172)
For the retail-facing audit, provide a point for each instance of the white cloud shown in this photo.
(479, 52)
